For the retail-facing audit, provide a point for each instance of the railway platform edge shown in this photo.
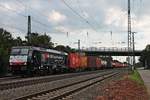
(145, 75)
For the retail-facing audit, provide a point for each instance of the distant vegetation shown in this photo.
(136, 77)
(145, 57)
(7, 41)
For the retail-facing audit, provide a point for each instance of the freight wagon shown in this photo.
(117, 64)
(94, 62)
(73, 61)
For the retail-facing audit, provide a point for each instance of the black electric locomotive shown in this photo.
(28, 60)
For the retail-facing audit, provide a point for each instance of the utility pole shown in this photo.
(133, 44)
(129, 30)
(79, 45)
(29, 30)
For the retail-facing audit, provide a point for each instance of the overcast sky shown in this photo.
(97, 17)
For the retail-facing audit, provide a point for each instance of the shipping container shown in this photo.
(83, 62)
(116, 65)
(91, 62)
(78, 61)
(113, 64)
(73, 60)
(98, 63)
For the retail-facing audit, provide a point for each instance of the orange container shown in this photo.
(83, 61)
(78, 61)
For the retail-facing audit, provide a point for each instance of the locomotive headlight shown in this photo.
(10, 63)
(25, 63)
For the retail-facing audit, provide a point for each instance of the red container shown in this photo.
(113, 64)
(73, 60)
(91, 61)
(78, 61)
(98, 63)
(117, 65)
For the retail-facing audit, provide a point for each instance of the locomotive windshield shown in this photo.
(19, 51)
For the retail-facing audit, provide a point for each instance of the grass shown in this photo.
(136, 77)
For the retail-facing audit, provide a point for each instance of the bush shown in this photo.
(3, 61)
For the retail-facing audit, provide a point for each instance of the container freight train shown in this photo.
(28, 60)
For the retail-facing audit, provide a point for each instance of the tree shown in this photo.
(40, 40)
(17, 42)
(63, 48)
(145, 57)
(6, 41)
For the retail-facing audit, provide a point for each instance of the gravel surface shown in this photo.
(26, 90)
(92, 92)
(125, 89)
(15, 83)
(65, 90)
(47, 77)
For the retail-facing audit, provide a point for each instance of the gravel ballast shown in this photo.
(26, 90)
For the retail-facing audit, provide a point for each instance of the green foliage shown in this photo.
(136, 77)
(63, 48)
(40, 40)
(137, 65)
(6, 42)
(145, 56)
(3, 61)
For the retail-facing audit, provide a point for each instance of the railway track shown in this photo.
(10, 83)
(67, 90)
(8, 78)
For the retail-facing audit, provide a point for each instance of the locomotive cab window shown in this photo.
(24, 51)
(18, 51)
(15, 51)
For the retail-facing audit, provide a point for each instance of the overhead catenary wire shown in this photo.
(20, 2)
(33, 19)
(2, 6)
(37, 12)
(25, 16)
(83, 13)
(75, 12)
(47, 26)
(13, 27)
